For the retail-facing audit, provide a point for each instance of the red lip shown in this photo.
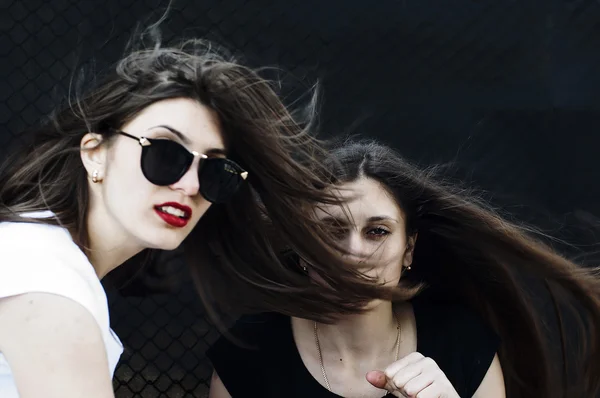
(171, 219)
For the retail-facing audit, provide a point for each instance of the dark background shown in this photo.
(506, 91)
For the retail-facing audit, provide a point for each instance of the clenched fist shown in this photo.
(413, 376)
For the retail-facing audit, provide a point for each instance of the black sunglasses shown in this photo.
(164, 162)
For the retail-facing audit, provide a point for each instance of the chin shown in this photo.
(164, 241)
(169, 245)
(373, 304)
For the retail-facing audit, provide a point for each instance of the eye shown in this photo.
(378, 232)
(336, 229)
(338, 232)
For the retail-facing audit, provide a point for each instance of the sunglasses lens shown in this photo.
(164, 162)
(219, 179)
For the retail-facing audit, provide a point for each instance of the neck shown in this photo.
(361, 337)
(109, 246)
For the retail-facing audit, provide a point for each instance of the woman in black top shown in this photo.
(282, 358)
(303, 358)
(430, 242)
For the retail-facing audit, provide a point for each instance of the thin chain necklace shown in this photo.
(398, 328)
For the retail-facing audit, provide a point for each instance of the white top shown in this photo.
(44, 259)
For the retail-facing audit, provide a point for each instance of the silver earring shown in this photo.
(95, 176)
(305, 269)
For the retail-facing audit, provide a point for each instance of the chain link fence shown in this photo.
(165, 337)
(506, 90)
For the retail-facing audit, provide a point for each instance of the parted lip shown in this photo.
(186, 209)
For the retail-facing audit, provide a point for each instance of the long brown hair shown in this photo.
(234, 259)
(467, 252)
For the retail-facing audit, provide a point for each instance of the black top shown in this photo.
(453, 336)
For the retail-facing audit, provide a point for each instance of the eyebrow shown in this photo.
(381, 218)
(343, 221)
(185, 140)
(177, 133)
(334, 220)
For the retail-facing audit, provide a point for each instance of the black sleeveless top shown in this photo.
(454, 337)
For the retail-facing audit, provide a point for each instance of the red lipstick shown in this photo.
(173, 213)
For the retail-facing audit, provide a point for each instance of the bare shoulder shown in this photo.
(217, 388)
(55, 342)
(492, 385)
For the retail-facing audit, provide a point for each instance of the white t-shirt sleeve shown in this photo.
(37, 258)
(25, 270)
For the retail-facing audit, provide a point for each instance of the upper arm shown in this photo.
(217, 388)
(54, 347)
(492, 385)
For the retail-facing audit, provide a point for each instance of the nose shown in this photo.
(356, 246)
(189, 183)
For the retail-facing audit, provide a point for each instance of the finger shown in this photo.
(406, 374)
(391, 370)
(434, 390)
(417, 384)
(429, 364)
(378, 379)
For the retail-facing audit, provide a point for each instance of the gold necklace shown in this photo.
(398, 327)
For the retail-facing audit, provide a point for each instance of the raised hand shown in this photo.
(413, 376)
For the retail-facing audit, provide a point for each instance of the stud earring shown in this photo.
(95, 178)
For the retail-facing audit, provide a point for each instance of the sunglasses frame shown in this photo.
(146, 142)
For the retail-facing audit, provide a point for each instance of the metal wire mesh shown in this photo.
(166, 337)
(508, 90)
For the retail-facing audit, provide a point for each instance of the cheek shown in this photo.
(390, 263)
(388, 253)
(124, 161)
(126, 195)
(125, 187)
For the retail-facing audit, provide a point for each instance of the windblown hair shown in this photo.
(466, 252)
(234, 260)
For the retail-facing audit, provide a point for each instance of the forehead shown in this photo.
(367, 198)
(199, 124)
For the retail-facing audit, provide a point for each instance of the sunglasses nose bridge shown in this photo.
(189, 181)
(200, 157)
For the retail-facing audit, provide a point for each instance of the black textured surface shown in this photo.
(508, 90)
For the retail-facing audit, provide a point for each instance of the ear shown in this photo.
(93, 154)
(410, 250)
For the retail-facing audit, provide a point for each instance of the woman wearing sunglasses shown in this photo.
(174, 146)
